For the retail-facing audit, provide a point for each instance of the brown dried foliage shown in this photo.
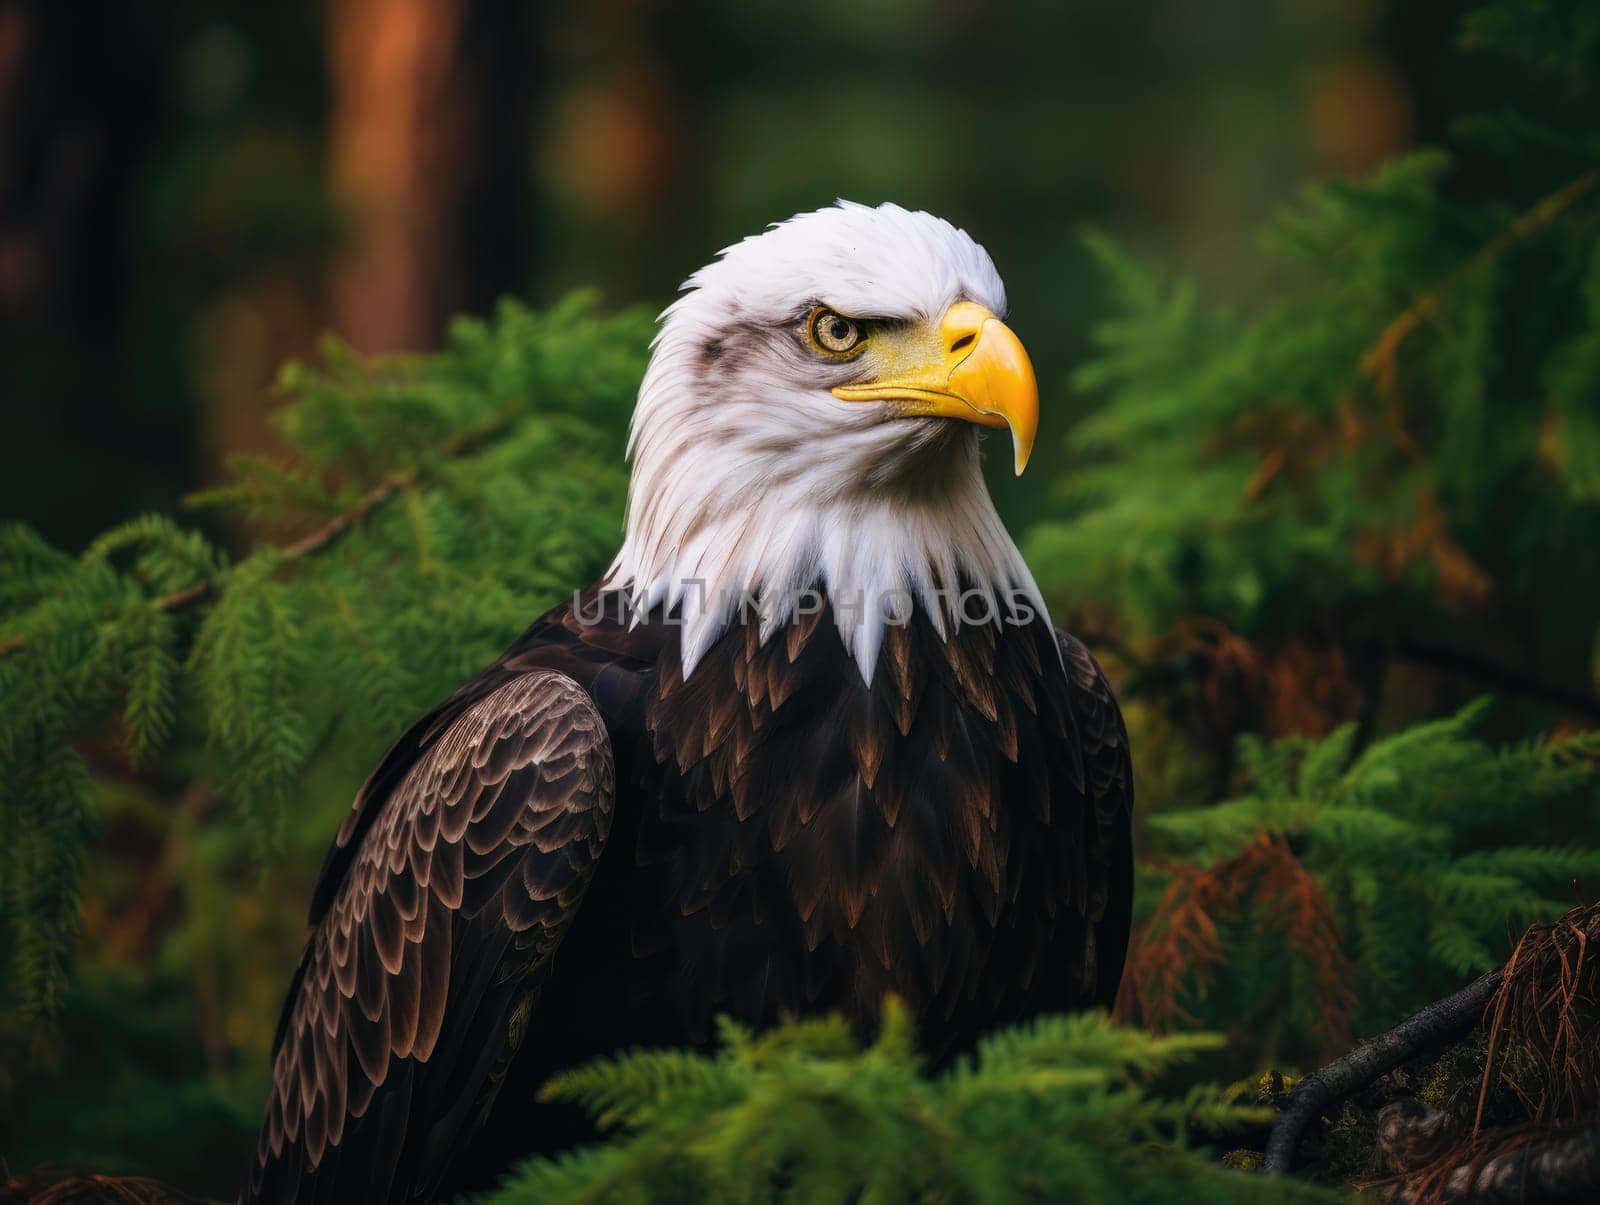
(1284, 687)
(1460, 582)
(1176, 954)
(1544, 1046)
(1311, 689)
(1546, 1017)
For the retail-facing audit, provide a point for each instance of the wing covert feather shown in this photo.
(451, 906)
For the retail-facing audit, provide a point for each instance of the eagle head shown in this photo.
(809, 421)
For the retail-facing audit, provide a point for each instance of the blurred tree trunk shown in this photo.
(428, 139)
(71, 147)
(396, 138)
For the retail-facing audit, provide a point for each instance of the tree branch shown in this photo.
(1564, 1167)
(1379, 360)
(314, 541)
(1500, 677)
(1442, 1021)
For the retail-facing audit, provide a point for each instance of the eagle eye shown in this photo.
(832, 333)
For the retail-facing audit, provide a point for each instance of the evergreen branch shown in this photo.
(280, 678)
(1040, 1111)
(387, 487)
(1405, 866)
(1379, 361)
(314, 541)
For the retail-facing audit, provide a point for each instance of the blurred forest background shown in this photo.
(193, 192)
(1321, 487)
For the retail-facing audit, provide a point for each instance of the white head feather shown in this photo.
(752, 481)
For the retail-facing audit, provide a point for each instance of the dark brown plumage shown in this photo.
(768, 836)
(450, 885)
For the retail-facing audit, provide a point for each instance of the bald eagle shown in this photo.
(810, 741)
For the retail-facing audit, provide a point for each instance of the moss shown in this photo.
(1348, 1145)
(1453, 1075)
(1273, 1087)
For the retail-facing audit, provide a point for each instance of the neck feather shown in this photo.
(722, 538)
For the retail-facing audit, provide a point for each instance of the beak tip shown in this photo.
(1021, 451)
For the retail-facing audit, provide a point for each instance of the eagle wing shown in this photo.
(1102, 741)
(451, 884)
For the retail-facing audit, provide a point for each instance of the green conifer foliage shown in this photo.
(1405, 441)
(1367, 444)
(1419, 847)
(1058, 1110)
(433, 505)
(1338, 514)
(1396, 458)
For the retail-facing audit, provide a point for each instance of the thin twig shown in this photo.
(304, 546)
(1379, 360)
(387, 487)
(1500, 677)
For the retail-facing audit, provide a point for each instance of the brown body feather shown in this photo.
(783, 838)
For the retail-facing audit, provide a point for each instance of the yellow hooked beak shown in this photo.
(978, 372)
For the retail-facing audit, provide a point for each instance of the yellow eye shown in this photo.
(834, 333)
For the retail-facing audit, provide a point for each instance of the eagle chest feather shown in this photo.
(935, 834)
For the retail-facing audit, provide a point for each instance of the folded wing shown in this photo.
(452, 883)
